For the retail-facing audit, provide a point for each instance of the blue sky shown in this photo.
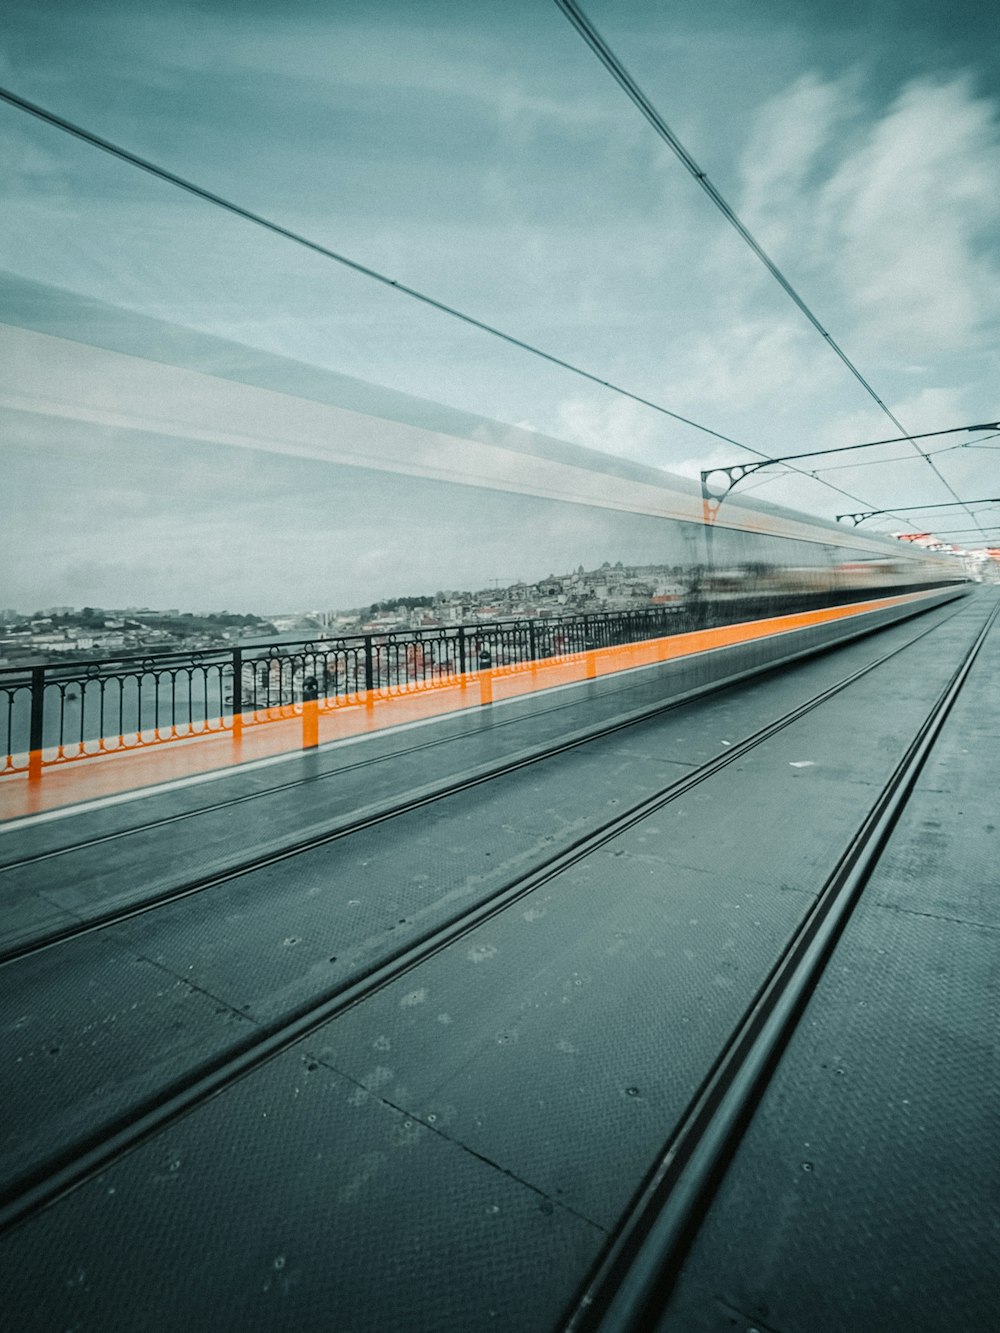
(481, 154)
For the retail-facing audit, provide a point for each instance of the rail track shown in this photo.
(633, 1279)
(272, 852)
(73, 1162)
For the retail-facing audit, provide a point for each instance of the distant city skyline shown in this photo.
(494, 588)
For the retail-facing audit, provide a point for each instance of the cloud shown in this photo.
(614, 425)
(912, 216)
(789, 140)
(884, 225)
(753, 362)
(892, 219)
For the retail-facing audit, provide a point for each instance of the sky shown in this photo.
(481, 154)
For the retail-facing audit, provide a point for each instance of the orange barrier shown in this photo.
(310, 724)
(283, 730)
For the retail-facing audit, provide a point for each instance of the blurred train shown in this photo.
(758, 589)
(761, 561)
(378, 484)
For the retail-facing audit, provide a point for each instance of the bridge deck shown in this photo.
(453, 1150)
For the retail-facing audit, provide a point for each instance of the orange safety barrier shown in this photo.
(281, 730)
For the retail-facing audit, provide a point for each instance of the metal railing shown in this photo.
(63, 711)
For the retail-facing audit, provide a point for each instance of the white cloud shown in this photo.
(909, 218)
(751, 362)
(612, 425)
(790, 135)
(903, 229)
(884, 226)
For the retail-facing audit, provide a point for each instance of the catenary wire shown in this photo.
(248, 215)
(962, 532)
(896, 458)
(632, 90)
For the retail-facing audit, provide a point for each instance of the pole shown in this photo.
(310, 713)
(237, 694)
(36, 727)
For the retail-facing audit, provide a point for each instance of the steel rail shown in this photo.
(32, 858)
(371, 760)
(347, 825)
(50, 1180)
(359, 820)
(114, 835)
(632, 1281)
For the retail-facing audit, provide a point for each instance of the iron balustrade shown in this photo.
(63, 711)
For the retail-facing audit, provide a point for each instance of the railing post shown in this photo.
(237, 694)
(310, 713)
(532, 645)
(484, 663)
(461, 656)
(36, 729)
(369, 672)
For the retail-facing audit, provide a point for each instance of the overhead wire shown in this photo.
(961, 532)
(288, 234)
(896, 458)
(907, 458)
(632, 90)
